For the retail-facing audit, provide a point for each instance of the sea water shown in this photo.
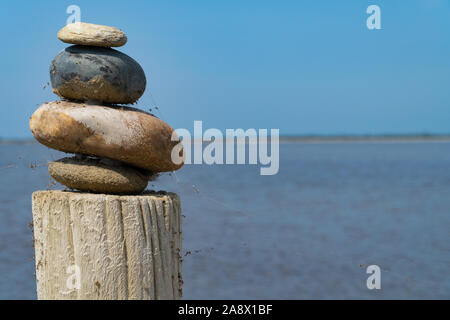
(308, 232)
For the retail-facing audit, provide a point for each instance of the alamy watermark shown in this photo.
(374, 280)
(374, 20)
(228, 148)
(73, 281)
(75, 14)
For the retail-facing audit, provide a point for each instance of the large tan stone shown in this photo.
(98, 175)
(89, 34)
(121, 133)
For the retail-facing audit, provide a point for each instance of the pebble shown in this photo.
(89, 34)
(98, 175)
(105, 75)
(125, 134)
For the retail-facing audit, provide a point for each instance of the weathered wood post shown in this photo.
(98, 246)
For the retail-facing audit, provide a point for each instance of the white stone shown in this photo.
(89, 34)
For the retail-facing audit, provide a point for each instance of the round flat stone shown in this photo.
(125, 134)
(98, 175)
(92, 73)
(89, 34)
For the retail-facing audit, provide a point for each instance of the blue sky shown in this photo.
(305, 67)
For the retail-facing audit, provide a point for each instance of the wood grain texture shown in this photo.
(124, 247)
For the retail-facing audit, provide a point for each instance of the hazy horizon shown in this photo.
(384, 136)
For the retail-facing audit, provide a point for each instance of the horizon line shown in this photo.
(310, 137)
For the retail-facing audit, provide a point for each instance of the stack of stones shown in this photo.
(117, 148)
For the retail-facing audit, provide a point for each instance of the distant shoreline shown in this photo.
(17, 141)
(365, 138)
(312, 139)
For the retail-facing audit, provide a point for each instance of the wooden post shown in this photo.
(98, 246)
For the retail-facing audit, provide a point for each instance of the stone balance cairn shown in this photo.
(109, 240)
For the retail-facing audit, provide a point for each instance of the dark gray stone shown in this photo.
(94, 73)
